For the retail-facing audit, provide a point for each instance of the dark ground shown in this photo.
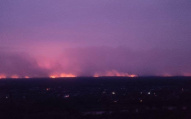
(96, 98)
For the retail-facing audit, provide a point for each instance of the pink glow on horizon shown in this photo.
(2, 76)
(27, 77)
(115, 73)
(167, 75)
(14, 76)
(187, 74)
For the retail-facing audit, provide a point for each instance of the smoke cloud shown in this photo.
(89, 61)
(20, 65)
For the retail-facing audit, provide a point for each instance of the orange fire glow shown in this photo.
(114, 73)
(96, 75)
(67, 75)
(133, 75)
(62, 75)
(53, 76)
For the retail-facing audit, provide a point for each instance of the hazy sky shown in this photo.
(84, 37)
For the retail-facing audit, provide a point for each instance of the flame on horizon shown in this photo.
(62, 75)
(114, 73)
(67, 75)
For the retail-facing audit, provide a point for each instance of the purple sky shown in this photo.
(84, 37)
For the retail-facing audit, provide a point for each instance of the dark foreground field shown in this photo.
(96, 98)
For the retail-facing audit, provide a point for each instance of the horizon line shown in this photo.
(93, 77)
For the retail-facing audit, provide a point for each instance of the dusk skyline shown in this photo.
(43, 38)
